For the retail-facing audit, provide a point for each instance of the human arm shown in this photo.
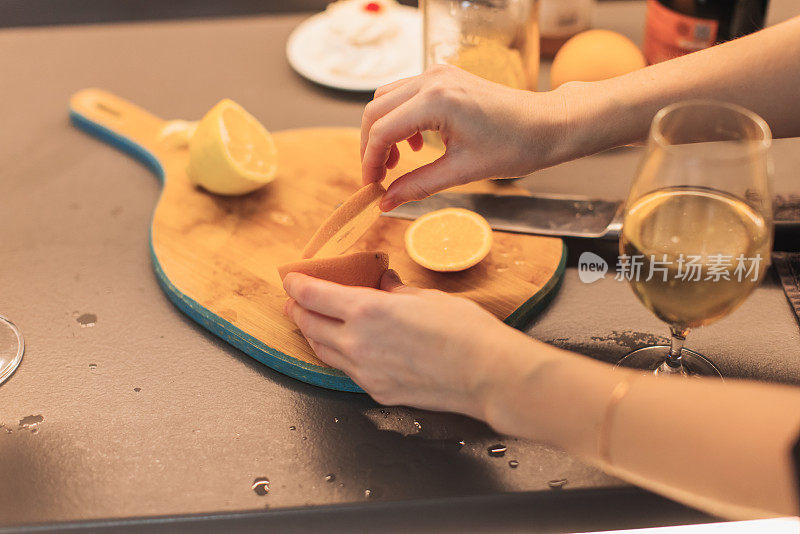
(722, 447)
(493, 131)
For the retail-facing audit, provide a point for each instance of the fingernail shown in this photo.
(387, 204)
(391, 273)
(286, 306)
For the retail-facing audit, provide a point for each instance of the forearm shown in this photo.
(760, 72)
(723, 447)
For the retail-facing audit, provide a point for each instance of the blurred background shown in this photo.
(44, 12)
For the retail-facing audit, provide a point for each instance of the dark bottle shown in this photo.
(677, 27)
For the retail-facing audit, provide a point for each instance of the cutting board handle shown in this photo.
(119, 123)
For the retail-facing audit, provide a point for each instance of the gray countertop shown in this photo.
(142, 413)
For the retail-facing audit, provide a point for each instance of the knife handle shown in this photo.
(787, 236)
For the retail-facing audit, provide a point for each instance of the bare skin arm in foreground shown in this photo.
(721, 447)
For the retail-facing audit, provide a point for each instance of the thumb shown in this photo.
(390, 281)
(421, 182)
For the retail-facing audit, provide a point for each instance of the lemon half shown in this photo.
(450, 239)
(231, 153)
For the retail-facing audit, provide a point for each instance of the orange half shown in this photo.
(357, 269)
(346, 224)
(452, 239)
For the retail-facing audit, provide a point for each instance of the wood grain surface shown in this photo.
(216, 257)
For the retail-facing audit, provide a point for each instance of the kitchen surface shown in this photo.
(125, 412)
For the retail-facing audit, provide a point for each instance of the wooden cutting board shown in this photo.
(216, 257)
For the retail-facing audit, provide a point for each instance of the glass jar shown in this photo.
(495, 39)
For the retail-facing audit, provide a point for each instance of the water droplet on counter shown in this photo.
(30, 422)
(5, 428)
(335, 419)
(417, 425)
(330, 477)
(261, 486)
(87, 320)
(462, 443)
(513, 464)
(501, 267)
(92, 366)
(497, 451)
(372, 493)
(292, 427)
(137, 390)
(557, 484)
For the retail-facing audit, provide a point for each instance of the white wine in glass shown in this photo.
(697, 232)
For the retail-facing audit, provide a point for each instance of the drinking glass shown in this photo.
(697, 229)
(494, 39)
(12, 346)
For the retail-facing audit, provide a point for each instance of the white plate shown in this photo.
(305, 39)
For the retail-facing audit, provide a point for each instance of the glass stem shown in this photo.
(678, 337)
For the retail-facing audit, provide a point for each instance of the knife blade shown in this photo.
(553, 215)
(567, 216)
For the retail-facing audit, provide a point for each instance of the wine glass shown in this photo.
(697, 229)
(12, 346)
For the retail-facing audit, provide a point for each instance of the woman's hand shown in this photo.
(405, 345)
(489, 130)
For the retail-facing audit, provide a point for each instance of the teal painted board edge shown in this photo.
(523, 315)
(277, 360)
(313, 374)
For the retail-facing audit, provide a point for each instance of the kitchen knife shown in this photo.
(564, 216)
(554, 215)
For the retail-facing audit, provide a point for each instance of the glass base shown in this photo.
(12, 346)
(654, 359)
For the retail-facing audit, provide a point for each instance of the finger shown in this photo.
(315, 326)
(398, 125)
(329, 355)
(416, 142)
(422, 182)
(390, 281)
(394, 157)
(382, 90)
(383, 104)
(321, 296)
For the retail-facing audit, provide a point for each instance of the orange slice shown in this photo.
(357, 269)
(452, 239)
(347, 223)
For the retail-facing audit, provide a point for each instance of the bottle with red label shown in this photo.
(677, 27)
